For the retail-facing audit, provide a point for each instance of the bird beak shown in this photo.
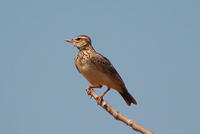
(70, 41)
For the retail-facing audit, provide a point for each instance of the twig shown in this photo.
(117, 115)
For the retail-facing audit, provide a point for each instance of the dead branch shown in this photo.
(117, 115)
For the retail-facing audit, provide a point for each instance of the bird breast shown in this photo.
(90, 71)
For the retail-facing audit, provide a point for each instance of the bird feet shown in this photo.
(99, 99)
(88, 89)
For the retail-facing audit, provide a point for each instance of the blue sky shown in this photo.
(154, 45)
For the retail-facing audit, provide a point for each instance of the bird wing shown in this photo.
(105, 66)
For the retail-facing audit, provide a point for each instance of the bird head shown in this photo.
(81, 41)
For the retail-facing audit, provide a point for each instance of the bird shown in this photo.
(97, 69)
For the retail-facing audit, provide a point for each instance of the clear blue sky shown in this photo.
(154, 45)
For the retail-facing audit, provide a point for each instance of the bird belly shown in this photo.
(94, 76)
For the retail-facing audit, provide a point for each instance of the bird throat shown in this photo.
(86, 47)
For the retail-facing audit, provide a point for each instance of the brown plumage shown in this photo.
(97, 69)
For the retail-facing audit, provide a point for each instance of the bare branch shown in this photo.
(118, 116)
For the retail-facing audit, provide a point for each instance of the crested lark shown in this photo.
(97, 69)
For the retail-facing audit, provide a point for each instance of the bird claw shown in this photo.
(99, 99)
(88, 90)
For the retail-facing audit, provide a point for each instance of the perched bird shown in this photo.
(97, 69)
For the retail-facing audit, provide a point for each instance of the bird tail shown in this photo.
(128, 97)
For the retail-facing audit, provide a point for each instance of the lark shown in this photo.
(97, 69)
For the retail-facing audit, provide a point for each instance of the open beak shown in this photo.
(70, 41)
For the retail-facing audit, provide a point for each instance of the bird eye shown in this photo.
(78, 39)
